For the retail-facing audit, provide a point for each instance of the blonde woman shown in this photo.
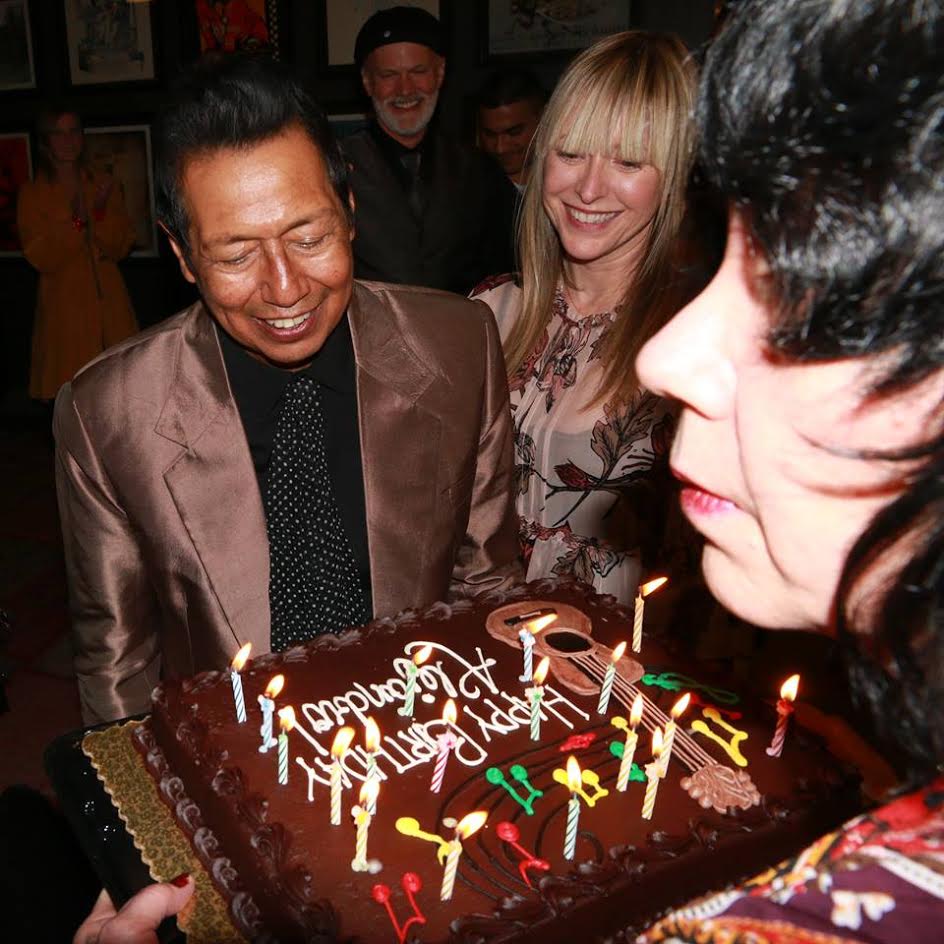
(599, 225)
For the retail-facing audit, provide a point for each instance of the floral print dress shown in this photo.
(590, 481)
(877, 880)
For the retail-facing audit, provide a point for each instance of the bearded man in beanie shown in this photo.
(428, 210)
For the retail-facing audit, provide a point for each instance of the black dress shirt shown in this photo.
(259, 388)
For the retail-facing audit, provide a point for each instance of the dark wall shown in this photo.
(155, 284)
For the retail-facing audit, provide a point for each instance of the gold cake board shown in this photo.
(164, 848)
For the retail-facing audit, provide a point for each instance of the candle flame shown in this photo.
(422, 655)
(788, 691)
(540, 673)
(342, 741)
(471, 824)
(275, 686)
(618, 652)
(681, 706)
(652, 585)
(635, 713)
(371, 736)
(450, 712)
(287, 718)
(656, 743)
(542, 622)
(369, 790)
(241, 657)
(574, 777)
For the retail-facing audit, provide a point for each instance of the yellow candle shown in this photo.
(467, 826)
(653, 775)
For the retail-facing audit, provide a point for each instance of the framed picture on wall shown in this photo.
(16, 167)
(239, 26)
(342, 20)
(536, 27)
(109, 42)
(124, 152)
(16, 46)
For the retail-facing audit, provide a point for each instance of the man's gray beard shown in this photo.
(388, 118)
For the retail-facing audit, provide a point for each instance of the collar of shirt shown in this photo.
(259, 386)
(392, 150)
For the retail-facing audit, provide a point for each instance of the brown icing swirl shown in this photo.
(722, 788)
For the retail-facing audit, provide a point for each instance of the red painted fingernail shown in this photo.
(181, 879)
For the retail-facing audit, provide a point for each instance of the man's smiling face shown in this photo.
(270, 246)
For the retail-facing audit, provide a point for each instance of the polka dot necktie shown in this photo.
(314, 586)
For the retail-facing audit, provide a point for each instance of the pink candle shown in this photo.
(788, 692)
(446, 742)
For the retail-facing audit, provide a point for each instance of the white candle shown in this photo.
(535, 695)
(574, 780)
(653, 775)
(466, 827)
(286, 723)
(629, 748)
(239, 660)
(452, 866)
(412, 671)
(640, 607)
(267, 704)
(678, 709)
(342, 741)
(607, 687)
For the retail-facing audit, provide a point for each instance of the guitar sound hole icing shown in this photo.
(567, 641)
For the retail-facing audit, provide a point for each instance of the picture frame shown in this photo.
(511, 29)
(245, 26)
(17, 68)
(341, 21)
(16, 168)
(124, 151)
(109, 43)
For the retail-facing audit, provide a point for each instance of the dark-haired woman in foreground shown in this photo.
(810, 443)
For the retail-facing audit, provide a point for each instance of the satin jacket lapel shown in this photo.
(214, 485)
(400, 441)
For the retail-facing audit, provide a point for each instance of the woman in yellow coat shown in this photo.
(74, 228)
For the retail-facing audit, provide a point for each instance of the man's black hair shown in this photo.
(507, 86)
(235, 102)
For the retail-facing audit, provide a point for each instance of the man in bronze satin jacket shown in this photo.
(162, 442)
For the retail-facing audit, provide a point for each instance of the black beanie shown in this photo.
(398, 25)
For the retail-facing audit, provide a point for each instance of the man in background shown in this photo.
(510, 103)
(428, 209)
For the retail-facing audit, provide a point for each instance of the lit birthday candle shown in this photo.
(640, 608)
(286, 723)
(239, 660)
(535, 694)
(446, 741)
(467, 826)
(653, 774)
(412, 671)
(372, 746)
(629, 748)
(362, 817)
(678, 709)
(607, 687)
(526, 636)
(574, 781)
(267, 704)
(788, 694)
(342, 741)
